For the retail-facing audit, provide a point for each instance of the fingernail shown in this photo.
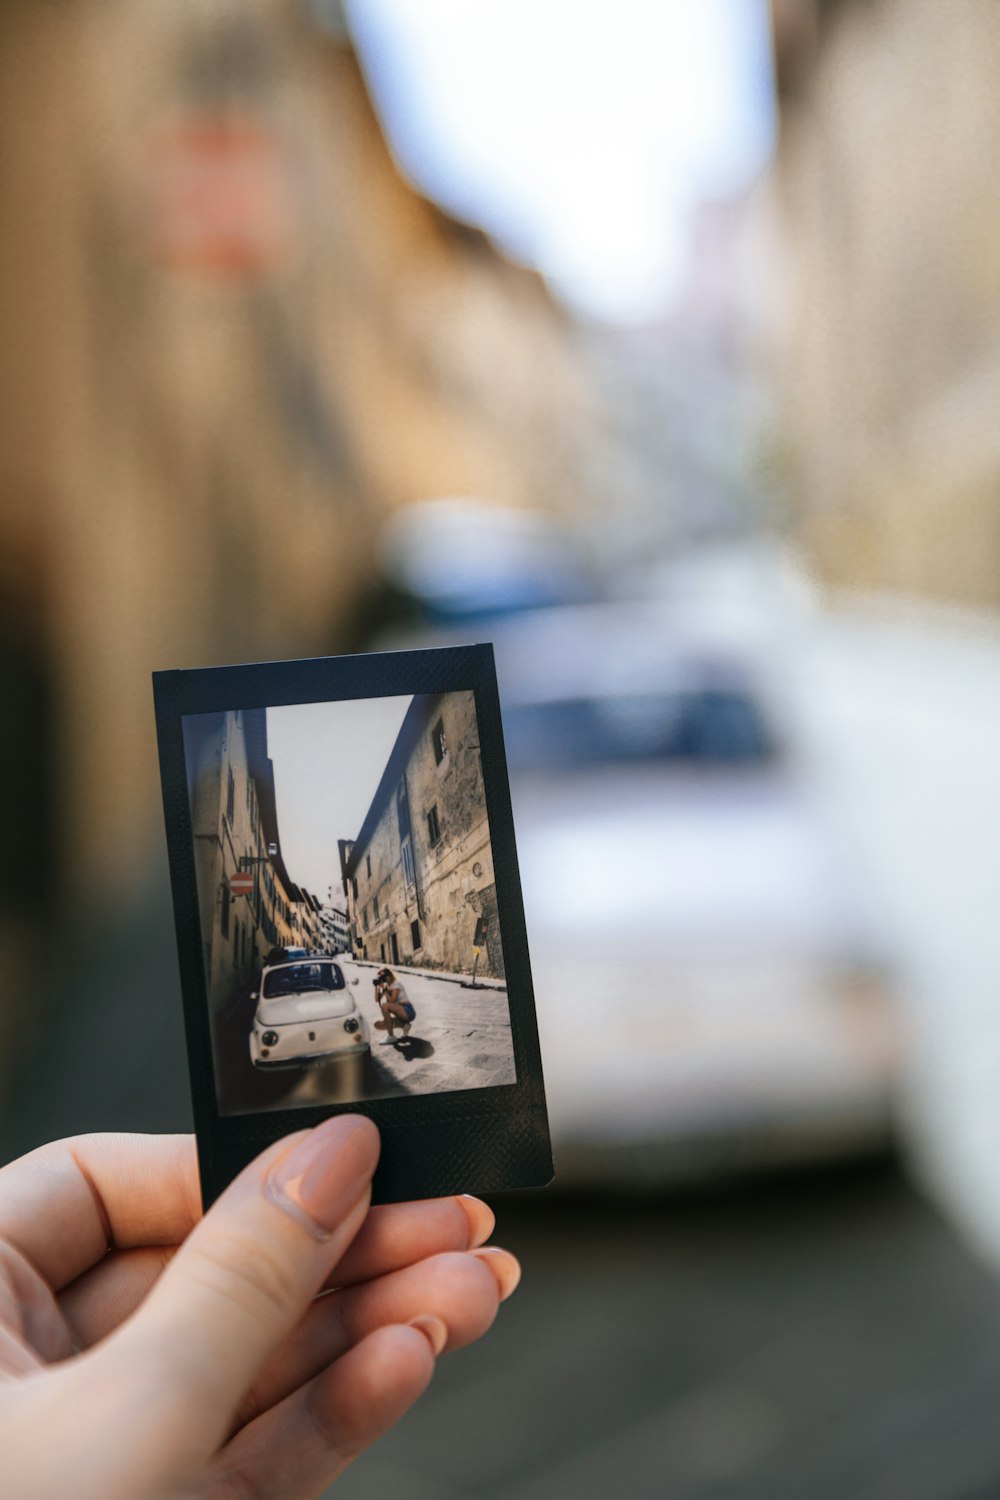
(482, 1221)
(326, 1174)
(435, 1332)
(504, 1267)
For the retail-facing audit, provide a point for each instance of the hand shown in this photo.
(147, 1353)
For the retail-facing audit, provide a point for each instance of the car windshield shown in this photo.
(712, 726)
(301, 979)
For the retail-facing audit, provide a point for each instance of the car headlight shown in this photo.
(269, 1038)
(351, 1024)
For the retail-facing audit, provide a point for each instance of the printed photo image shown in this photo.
(347, 901)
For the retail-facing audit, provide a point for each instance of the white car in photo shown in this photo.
(306, 1011)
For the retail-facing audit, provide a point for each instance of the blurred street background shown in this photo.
(658, 344)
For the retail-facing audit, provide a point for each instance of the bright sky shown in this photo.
(580, 134)
(328, 760)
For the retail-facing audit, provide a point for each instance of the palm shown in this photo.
(64, 1283)
(87, 1228)
(34, 1329)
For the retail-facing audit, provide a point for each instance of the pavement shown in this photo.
(818, 1339)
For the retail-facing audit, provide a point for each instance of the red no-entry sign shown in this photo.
(221, 196)
(240, 884)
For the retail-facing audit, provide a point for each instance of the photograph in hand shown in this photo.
(348, 909)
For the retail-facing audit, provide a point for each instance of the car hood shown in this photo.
(692, 864)
(313, 1005)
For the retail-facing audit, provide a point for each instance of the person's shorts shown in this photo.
(411, 1014)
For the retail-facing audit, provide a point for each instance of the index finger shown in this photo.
(66, 1204)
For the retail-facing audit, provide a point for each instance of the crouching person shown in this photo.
(393, 1001)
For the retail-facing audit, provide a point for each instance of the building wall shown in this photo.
(237, 932)
(887, 199)
(310, 924)
(195, 463)
(454, 883)
(336, 928)
(286, 916)
(226, 828)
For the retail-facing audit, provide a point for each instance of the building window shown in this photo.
(230, 797)
(381, 949)
(393, 948)
(415, 935)
(368, 865)
(439, 741)
(403, 810)
(354, 888)
(433, 825)
(408, 862)
(375, 908)
(364, 916)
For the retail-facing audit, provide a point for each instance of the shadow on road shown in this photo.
(412, 1048)
(241, 1088)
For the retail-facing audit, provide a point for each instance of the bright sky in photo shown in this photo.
(579, 134)
(328, 760)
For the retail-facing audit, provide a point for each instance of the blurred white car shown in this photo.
(713, 985)
(677, 851)
(305, 1012)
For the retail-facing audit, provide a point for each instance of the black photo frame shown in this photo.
(480, 1140)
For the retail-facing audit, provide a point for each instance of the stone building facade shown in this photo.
(336, 929)
(419, 876)
(235, 828)
(884, 205)
(311, 927)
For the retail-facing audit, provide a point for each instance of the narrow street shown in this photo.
(460, 1039)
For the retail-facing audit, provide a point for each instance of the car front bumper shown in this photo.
(293, 1054)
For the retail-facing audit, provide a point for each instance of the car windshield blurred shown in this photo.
(710, 726)
(302, 979)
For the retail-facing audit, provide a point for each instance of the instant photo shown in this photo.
(348, 914)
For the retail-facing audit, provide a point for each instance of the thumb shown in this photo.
(246, 1274)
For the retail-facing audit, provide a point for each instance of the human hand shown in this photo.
(150, 1353)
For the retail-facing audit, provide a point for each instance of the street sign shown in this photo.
(220, 197)
(240, 884)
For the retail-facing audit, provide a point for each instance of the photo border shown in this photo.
(480, 1140)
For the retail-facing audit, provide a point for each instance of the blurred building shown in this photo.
(682, 390)
(336, 929)
(419, 876)
(237, 339)
(887, 202)
(248, 902)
